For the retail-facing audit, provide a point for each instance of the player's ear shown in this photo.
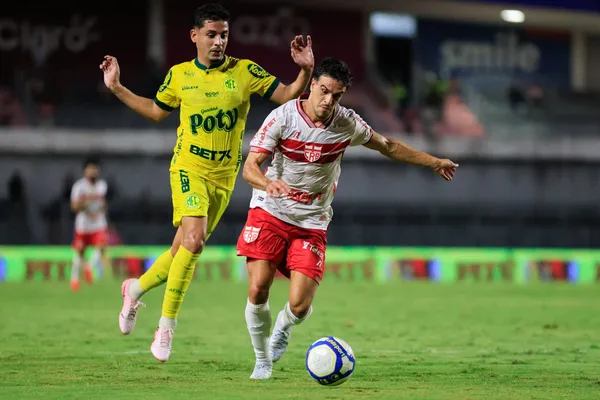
(193, 35)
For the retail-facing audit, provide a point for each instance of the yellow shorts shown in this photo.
(193, 196)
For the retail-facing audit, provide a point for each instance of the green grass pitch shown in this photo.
(412, 341)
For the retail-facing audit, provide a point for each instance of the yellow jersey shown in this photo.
(214, 104)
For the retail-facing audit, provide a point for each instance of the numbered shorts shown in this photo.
(93, 239)
(193, 196)
(292, 248)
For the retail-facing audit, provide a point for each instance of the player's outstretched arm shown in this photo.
(141, 105)
(302, 55)
(400, 151)
(255, 177)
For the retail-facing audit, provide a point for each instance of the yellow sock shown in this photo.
(158, 273)
(180, 276)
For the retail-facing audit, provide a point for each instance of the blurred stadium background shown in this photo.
(514, 102)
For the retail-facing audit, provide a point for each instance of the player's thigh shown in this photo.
(306, 253)
(302, 292)
(263, 238)
(219, 201)
(81, 241)
(193, 232)
(260, 275)
(99, 239)
(190, 195)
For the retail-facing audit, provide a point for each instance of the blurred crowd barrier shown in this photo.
(365, 264)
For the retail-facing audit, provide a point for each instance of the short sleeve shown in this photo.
(166, 97)
(75, 192)
(267, 137)
(261, 82)
(362, 132)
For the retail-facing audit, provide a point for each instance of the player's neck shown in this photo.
(205, 63)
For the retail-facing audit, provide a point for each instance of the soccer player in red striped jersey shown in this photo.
(290, 210)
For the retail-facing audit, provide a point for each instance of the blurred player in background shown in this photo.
(291, 209)
(213, 92)
(88, 200)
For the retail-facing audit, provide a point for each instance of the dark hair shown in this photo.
(336, 69)
(210, 12)
(91, 161)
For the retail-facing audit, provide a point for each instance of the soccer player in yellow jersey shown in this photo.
(213, 94)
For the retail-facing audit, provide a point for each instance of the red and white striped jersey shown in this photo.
(93, 217)
(307, 158)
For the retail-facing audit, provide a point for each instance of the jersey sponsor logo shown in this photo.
(211, 94)
(251, 234)
(192, 201)
(230, 85)
(223, 120)
(309, 246)
(312, 152)
(257, 71)
(304, 197)
(184, 180)
(189, 87)
(260, 135)
(212, 155)
(189, 74)
(166, 82)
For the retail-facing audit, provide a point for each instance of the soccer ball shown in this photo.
(330, 361)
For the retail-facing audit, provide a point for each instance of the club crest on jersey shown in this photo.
(230, 85)
(251, 234)
(312, 152)
(193, 201)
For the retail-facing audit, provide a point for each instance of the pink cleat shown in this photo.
(128, 314)
(161, 346)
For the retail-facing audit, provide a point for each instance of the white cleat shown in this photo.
(262, 369)
(278, 343)
(161, 346)
(128, 314)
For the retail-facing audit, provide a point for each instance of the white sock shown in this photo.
(258, 320)
(285, 318)
(135, 290)
(168, 323)
(97, 262)
(76, 267)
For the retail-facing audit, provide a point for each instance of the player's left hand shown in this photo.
(302, 53)
(446, 169)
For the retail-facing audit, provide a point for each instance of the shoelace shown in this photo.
(134, 309)
(165, 338)
(283, 339)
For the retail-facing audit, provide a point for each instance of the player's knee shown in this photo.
(300, 309)
(258, 293)
(193, 242)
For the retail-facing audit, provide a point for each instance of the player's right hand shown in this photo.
(277, 188)
(112, 72)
